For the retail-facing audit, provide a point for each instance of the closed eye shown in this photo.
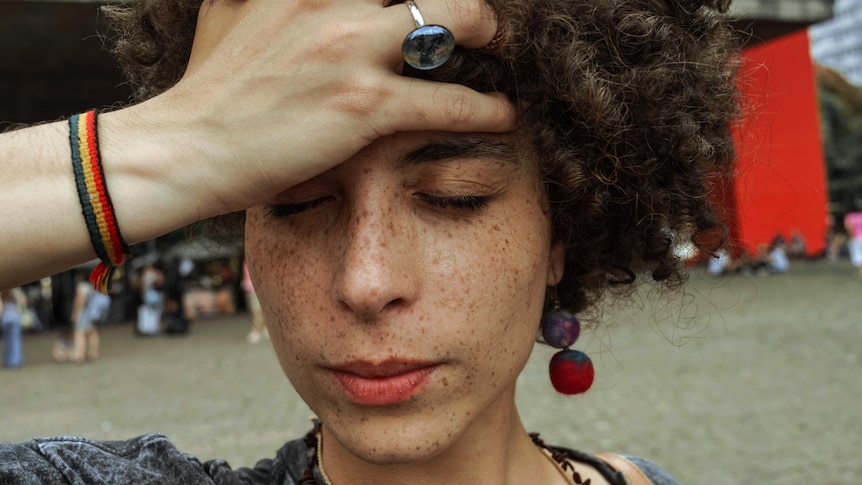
(458, 202)
(285, 210)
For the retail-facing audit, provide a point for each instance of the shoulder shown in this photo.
(285, 469)
(615, 468)
(656, 474)
(148, 459)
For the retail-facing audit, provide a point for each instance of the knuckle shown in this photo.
(338, 40)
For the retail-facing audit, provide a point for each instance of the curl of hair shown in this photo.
(629, 105)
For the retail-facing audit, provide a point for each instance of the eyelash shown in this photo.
(286, 210)
(460, 203)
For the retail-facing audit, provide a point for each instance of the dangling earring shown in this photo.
(571, 370)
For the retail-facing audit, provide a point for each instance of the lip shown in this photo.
(383, 383)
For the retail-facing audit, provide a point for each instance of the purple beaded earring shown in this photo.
(571, 370)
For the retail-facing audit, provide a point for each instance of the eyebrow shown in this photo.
(468, 147)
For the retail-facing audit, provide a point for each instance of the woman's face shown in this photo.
(403, 288)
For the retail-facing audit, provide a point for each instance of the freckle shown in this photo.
(445, 381)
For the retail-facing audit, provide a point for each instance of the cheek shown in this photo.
(509, 258)
(283, 280)
(495, 283)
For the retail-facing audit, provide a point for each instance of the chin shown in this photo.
(394, 440)
(400, 455)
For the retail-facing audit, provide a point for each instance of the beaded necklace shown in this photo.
(313, 441)
(560, 458)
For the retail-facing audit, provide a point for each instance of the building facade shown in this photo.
(764, 20)
(837, 43)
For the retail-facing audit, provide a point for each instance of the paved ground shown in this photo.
(744, 380)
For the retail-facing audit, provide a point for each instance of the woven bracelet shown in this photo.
(95, 201)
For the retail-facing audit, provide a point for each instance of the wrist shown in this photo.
(149, 158)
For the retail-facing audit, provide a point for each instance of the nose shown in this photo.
(380, 268)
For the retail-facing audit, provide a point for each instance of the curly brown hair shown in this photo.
(628, 103)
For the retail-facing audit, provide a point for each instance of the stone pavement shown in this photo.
(742, 380)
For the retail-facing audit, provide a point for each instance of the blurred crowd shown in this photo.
(843, 241)
(160, 294)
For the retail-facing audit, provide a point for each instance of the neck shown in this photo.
(492, 450)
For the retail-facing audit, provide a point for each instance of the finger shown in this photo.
(472, 22)
(450, 107)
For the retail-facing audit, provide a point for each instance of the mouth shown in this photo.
(384, 383)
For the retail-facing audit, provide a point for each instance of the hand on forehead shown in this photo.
(373, 28)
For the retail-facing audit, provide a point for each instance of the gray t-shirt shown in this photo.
(153, 459)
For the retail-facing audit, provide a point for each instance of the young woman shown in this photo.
(403, 286)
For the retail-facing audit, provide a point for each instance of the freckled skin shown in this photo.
(375, 273)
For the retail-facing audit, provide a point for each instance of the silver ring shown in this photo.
(414, 11)
(427, 46)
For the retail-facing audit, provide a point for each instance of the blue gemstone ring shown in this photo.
(427, 46)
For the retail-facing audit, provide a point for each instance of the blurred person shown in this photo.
(176, 321)
(720, 263)
(777, 260)
(63, 348)
(149, 281)
(797, 248)
(404, 282)
(186, 271)
(771, 257)
(14, 304)
(90, 308)
(224, 288)
(853, 225)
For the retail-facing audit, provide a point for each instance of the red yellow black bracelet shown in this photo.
(95, 200)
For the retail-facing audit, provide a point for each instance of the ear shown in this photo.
(556, 262)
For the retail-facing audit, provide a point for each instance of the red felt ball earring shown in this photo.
(571, 370)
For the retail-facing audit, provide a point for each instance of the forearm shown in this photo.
(43, 228)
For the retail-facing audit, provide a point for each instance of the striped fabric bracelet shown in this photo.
(95, 201)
